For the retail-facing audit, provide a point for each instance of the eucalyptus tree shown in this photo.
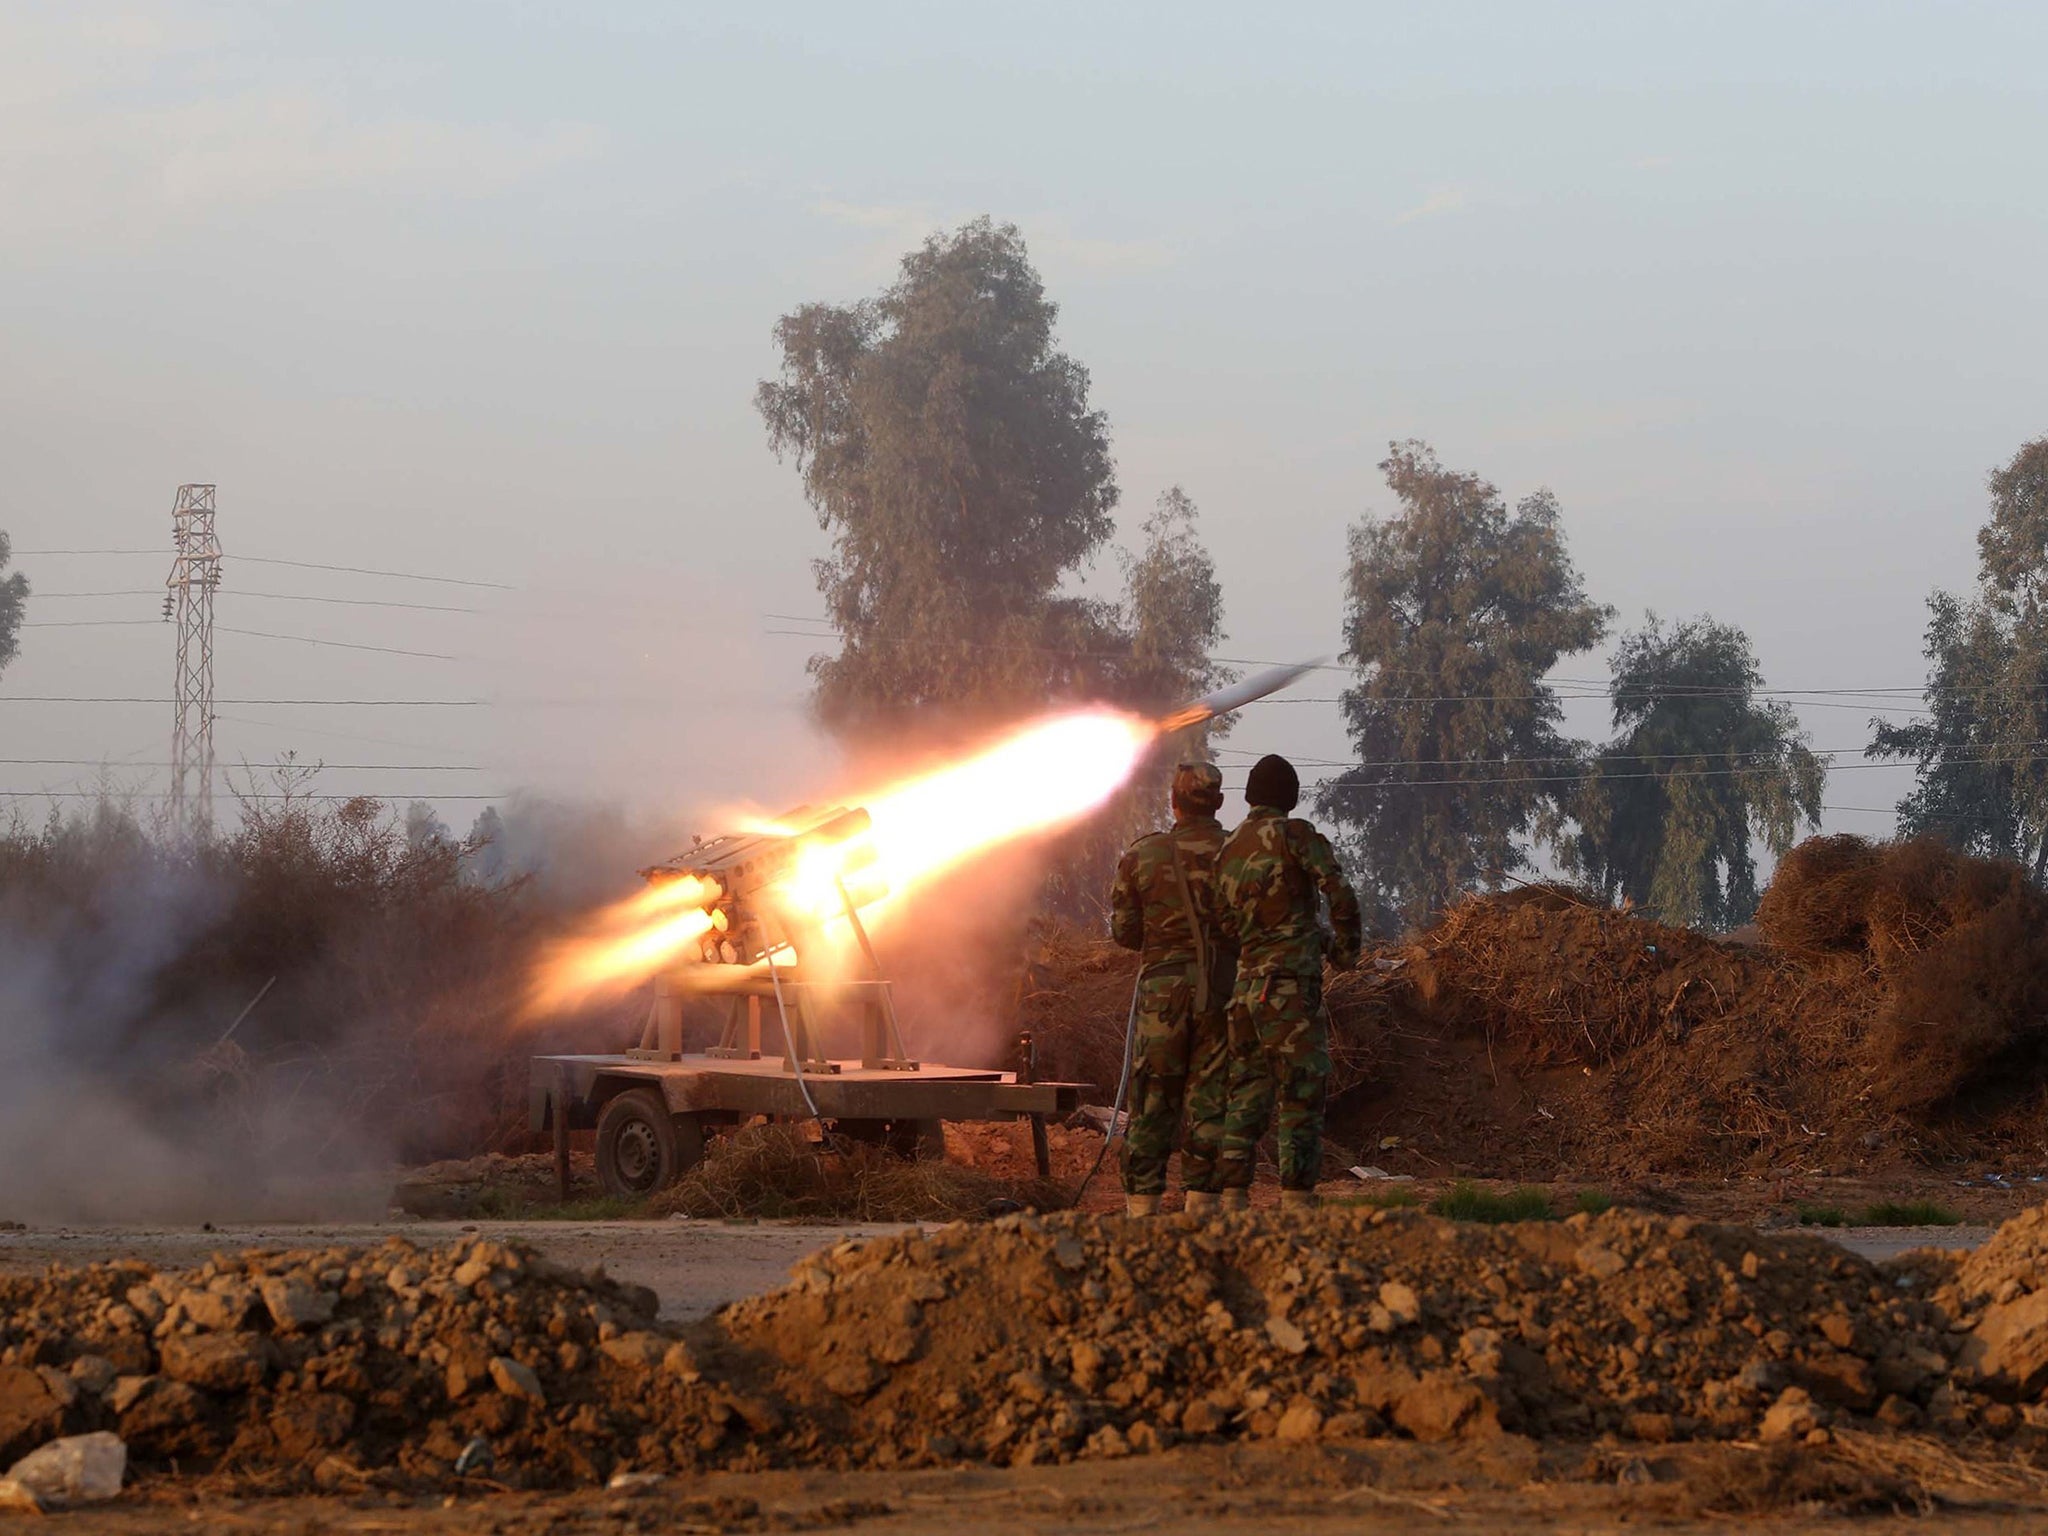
(1457, 609)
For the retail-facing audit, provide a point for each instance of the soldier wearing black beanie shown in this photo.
(1273, 876)
(1273, 783)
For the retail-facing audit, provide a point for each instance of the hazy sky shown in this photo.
(483, 290)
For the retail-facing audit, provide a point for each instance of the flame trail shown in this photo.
(626, 941)
(1041, 778)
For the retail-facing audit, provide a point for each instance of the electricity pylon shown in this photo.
(188, 601)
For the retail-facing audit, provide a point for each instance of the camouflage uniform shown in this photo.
(1266, 887)
(1181, 1054)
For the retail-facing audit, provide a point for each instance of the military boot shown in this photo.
(1292, 1200)
(1203, 1202)
(1234, 1200)
(1141, 1205)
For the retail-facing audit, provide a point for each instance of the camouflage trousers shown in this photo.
(1279, 1032)
(1180, 1061)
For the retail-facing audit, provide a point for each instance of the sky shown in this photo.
(483, 291)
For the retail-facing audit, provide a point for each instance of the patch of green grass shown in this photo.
(1593, 1201)
(1398, 1197)
(1823, 1216)
(1908, 1213)
(1468, 1202)
(589, 1208)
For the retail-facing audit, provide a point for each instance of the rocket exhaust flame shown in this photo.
(630, 938)
(791, 884)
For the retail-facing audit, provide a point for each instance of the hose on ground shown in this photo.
(1122, 1087)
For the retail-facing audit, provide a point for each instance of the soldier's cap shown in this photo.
(1199, 786)
(1273, 783)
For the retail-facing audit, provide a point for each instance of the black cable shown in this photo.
(88, 698)
(364, 570)
(99, 762)
(304, 565)
(228, 794)
(345, 645)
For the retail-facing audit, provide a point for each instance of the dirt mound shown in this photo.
(1077, 1001)
(1958, 945)
(1045, 1339)
(1024, 1340)
(1536, 1035)
(322, 1366)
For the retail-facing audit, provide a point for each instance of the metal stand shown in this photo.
(796, 1002)
(560, 1109)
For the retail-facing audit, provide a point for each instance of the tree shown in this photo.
(1981, 768)
(13, 600)
(1170, 618)
(1456, 610)
(949, 449)
(1172, 608)
(1699, 769)
(488, 863)
(424, 829)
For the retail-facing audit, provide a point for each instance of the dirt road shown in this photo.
(1242, 1490)
(695, 1267)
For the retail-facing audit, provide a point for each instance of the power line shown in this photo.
(298, 729)
(87, 698)
(1566, 698)
(304, 565)
(232, 795)
(1560, 690)
(1309, 760)
(85, 623)
(1700, 773)
(285, 597)
(364, 570)
(101, 762)
(345, 645)
(349, 602)
(1554, 688)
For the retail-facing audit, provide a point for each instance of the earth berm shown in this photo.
(1030, 1340)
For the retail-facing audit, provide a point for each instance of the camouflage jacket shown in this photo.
(1146, 912)
(1266, 887)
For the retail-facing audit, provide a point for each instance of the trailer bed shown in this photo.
(652, 1110)
(727, 1088)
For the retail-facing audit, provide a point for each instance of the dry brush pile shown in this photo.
(779, 1172)
(1954, 948)
(1024, 1340)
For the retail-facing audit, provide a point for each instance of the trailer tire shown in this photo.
(641, 1147)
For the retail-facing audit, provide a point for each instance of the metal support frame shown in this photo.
(188, 603)
(798, 1002)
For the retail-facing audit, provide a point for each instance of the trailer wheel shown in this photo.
(641, 1147)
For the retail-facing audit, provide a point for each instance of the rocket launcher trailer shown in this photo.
(654, 1105)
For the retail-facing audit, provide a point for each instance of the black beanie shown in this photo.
(1273, 782)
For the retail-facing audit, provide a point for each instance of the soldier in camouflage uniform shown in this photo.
(1164, 906)
(1266, 893)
